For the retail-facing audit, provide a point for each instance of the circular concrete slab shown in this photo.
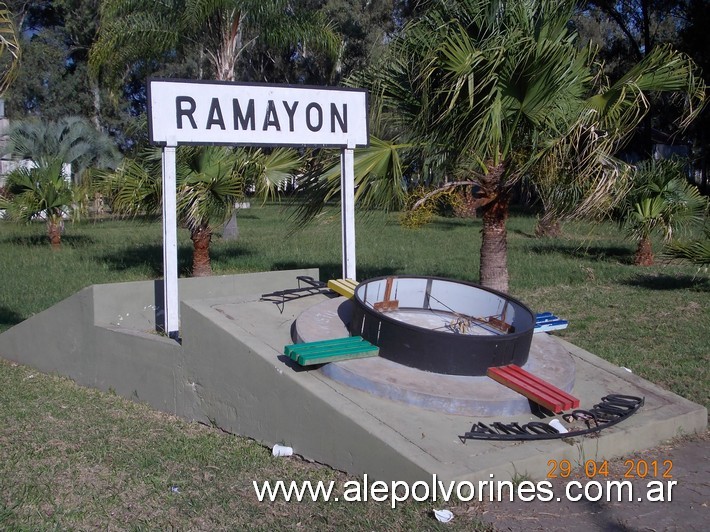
(451, 394)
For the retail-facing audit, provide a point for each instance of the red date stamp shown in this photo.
(633, 468)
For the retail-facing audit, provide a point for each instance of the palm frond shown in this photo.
(276, 170)
(135, 188)
(10, 45)
(662, 199)
(209, 184)
(132, 30)
(623, 105)
(71, 140)
(695, 251)
(379, 180)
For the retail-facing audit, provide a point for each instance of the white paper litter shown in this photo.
(281, 450)
(555, 423)
(443, 516)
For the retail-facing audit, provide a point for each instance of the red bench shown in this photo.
(534, 388)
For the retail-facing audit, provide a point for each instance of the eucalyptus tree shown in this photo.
(210, 180)
(644, 24)
(222, 30)
(364, 26)
(477, 92)
(53, 81)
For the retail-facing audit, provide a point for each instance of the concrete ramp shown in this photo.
(230, 371)
(105, 337)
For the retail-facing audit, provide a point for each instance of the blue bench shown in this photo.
(547, 321)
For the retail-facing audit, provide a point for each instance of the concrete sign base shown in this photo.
(230, 369)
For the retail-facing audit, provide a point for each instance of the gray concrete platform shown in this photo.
(230, 371)
(450, 394)
(429, 440)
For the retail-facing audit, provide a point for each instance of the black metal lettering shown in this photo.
(342, 119)
(180, 112)
(271, 119)
(537, 427)
(319, 113)
(516, 428)
(612, 409)
(623, 400)
(246, 121)
(215, 115)
(482, 427)
(290, 111)
(502, 428)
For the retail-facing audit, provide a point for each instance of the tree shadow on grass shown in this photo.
(243, 215)
(8, 318)
(669, 282)
(524, 234)
(151, 256)
(74, 241)
(617, 254)
(225, 253)
(448, 224)
(148, 255)
(333, 270)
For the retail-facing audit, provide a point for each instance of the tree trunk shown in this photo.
(225, 56)
(644, 253)
(230, 231)
(465, 205)
(548, 227)
(201, 238)
(97, 105)
(494, 244)
(54, 231)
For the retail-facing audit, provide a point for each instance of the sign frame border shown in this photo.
(254, 84)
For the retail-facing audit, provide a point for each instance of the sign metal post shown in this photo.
(347, 212)
(170, 269)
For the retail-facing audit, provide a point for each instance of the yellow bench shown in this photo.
(344, 287)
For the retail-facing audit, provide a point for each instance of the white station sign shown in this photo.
(190, 112)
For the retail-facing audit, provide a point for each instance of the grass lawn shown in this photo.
(77, 458)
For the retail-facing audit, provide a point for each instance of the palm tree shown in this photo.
(210, 180)
(41, 192)
(71, 140)
(8, 43)
(579, 178)
(479, 91)
(40, 187)
(222, 30)
(661, 199)
(140, 30)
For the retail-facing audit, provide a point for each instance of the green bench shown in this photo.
(324, 351)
